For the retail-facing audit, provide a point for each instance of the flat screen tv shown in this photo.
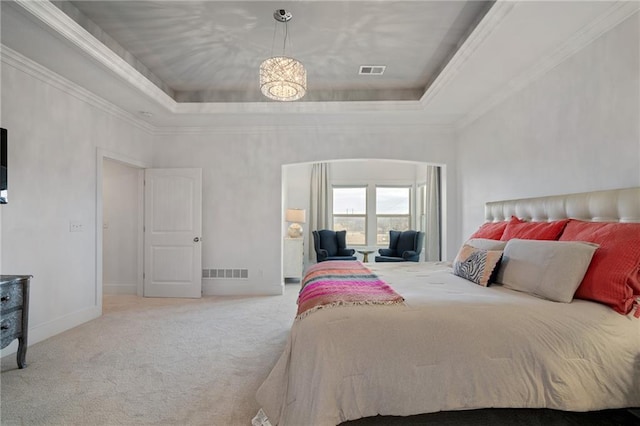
(3, 166)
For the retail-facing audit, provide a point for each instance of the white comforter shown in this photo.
(453, 345)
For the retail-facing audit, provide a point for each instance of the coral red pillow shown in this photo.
(613, 277)
(490, 230)
(533, 230)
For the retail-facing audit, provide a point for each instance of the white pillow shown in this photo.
(486, 244)
(549, 269)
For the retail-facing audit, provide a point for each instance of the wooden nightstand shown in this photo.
(14, 313)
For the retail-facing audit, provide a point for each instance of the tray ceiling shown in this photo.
(195, 63)
(210, 51)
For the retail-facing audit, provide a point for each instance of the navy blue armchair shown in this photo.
(332, 245)
(404, 246)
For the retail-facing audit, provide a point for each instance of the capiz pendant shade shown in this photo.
(283, 78)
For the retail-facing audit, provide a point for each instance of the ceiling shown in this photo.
(206, 51)
(184, 63)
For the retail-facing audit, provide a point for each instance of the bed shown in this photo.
(450, 344)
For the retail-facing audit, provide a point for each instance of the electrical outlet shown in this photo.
(76, 226)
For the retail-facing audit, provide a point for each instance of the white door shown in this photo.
(173, 225)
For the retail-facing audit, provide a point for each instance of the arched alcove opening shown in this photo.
(426, 182)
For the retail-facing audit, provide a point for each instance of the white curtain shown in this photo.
(319, 203)
(431, 225)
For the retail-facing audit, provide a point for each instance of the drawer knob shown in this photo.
(5, 299)
(4, 326)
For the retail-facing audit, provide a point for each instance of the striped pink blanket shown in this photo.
(339, 283)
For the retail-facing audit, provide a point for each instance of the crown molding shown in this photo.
(271, 107)
(18, 61)
(70, 30)
(79, 17)
(618, 12)
(14, 59)
(492, 19)
(305, 128)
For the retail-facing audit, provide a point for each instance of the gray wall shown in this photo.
(242, 185)
(575, 129)
(55, 131)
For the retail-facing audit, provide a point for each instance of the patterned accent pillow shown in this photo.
(476, 265)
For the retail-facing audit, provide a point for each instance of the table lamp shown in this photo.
(296, 217)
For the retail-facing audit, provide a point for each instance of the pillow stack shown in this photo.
(558, 260)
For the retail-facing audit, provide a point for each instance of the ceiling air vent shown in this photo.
(372, 69)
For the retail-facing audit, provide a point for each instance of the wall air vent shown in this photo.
(225, 273)
(372, 69)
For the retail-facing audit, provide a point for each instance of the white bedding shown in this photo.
(453, 345)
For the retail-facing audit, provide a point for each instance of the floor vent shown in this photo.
(225, 274)
(372, 69)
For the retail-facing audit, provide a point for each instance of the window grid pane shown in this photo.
(348, 201)
(392, 200)
(350, 213)
(354, 225)
(386, 223)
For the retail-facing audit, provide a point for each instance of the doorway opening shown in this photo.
(120, 223)
(120, 219)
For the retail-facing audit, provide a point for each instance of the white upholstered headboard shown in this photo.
(616, 205)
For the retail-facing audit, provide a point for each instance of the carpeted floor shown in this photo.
(188, 362)
(152, 361)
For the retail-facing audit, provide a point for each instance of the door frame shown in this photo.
(101, 155)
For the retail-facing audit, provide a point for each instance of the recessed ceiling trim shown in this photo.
(18, 61)
(491, 20)
(70, 30)
(74, 13)
(62, 24)
(337, 129)
(297, 107)
(618, 12)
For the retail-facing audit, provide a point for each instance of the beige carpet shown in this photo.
(190, 362)
(152, 361)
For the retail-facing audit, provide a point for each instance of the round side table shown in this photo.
(365, 255)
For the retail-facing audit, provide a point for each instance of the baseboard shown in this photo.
(238, 288)
(49, 329)
(113, 288)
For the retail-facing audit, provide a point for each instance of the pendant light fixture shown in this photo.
(283, 78)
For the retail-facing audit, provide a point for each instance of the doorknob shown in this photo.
(196, 239)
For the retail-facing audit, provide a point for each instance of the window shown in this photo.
(350, 213)
(393, 212)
